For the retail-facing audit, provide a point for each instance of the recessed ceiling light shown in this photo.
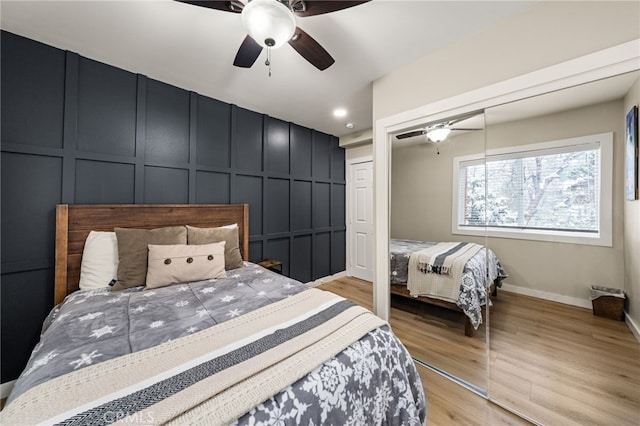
(339, 112)
(349, 125)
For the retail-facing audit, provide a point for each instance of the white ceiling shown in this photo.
(193, 48)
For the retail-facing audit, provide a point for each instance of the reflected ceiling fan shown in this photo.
(438, 132)
(271, 23)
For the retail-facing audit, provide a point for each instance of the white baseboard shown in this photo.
(574, 301)
(554, 297)
(632, 326)
(5, 389)
(325, 280)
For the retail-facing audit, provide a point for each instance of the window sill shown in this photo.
(592, 239)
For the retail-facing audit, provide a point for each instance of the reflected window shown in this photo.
(545, 191)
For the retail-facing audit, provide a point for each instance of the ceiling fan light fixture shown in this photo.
(269, 22)
(438, 135)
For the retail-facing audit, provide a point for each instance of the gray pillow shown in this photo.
(229, 234)
(133, 251)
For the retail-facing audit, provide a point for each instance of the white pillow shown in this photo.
(99, 260)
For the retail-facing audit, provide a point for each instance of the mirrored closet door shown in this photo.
(423, 249)
(554, 208)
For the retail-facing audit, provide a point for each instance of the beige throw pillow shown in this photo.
(181, 263)
(133, 248)
(229, 234)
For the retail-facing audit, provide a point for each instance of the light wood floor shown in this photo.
(563, 365)
(449, 403)
(555, 363)
(436, 336)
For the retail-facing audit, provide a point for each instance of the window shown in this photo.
(552, 191)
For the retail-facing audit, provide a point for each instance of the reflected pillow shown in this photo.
(99, 264)
(133, 248)
(173, 264)
(229, 234)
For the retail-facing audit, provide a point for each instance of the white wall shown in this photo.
(632, 237)
(547, 34)
(356, 152)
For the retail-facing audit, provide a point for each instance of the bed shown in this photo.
(473, 289)
(248, 347)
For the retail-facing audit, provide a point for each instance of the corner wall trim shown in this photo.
(326, 279)
(633, 326)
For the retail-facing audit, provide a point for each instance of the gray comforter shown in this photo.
(475, 275)
(373, 381)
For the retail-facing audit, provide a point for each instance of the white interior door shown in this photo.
(361, 220)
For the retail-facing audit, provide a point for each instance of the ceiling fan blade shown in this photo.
(411, 134)
(465, 129)
(311, 50)
(318, 7)
(247, 53)
(226, 6)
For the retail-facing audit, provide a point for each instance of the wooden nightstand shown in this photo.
(272, 265)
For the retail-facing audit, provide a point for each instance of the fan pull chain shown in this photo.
(268, 61)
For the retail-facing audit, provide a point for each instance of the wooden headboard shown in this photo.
(74, 222)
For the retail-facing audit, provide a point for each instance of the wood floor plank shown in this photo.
(448, 403)
(555, 363)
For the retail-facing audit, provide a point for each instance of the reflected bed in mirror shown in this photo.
(453, 276)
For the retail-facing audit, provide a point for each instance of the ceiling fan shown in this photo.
(271, 23)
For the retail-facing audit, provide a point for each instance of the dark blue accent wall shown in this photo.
(75, 131)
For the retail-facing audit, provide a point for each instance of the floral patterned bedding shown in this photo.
(373, 381)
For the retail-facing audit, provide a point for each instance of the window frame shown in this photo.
(604, 237)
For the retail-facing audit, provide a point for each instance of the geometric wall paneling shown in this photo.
(321, 205)
(75, 130)
(338, 251)
(167, 124)
(337, 159)
(248, 132)
(276, 146)
(212, 188)
(22, 293)
(276, 200)
(321, 155)
(32, 92)
(106, 109)
(255, 251)
(301, 149)
(278, 248)
(31, 187)
(99, 182)
(301, 205)
(321, 258)
(337, 204)
(164, 185)
(301, 258)
(249, 190)
(213, 133)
